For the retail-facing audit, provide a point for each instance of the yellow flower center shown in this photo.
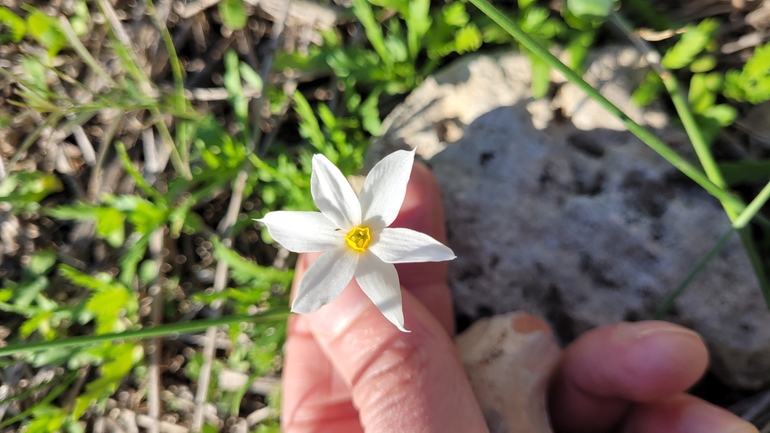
(358, 238)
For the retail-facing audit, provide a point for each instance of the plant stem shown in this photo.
(753, 207)
(691, 276)
(273, 315)
(706, 158)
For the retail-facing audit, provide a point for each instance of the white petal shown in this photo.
(397, 245)
(333, 195)
(379, 280)
(325, 280)
(385, 187)
(303, 232)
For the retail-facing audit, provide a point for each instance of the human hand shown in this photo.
(348, 369)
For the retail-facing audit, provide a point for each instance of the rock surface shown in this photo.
(509, 360)
(576, 220)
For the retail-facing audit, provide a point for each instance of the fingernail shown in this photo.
(333, 318)
(701, 418)
(635, 331)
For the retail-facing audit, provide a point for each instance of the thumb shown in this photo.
(398, 381)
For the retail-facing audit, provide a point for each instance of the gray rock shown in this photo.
(575, 220)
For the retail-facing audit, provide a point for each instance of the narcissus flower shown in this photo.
(353, 232)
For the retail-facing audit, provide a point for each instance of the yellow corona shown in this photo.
(358, 238)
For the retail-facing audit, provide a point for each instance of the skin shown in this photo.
(348, 369)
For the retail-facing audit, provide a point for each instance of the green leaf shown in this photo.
(48, 422)
(79, 21)
(109, 221)
(693, 42)
(232, 82)
(40, 322)
(590, 9)
(704, 63)
(700, 96)
(308, 124)
(418, 23)
(122, 358)
(102, 281)
(209, 428)
(246, 272)
(648, 90)
(714, 118)
(143, 214)
(400, 6)
(533, 18)
(233, 13)
(110, 226)
(17, 26)
(148, 271)
(364, 12)
(370, 114)
(108, 306)
(250, 76)
(455, 14)
(111, 301)
(146, 217)
(467, 39)
(577, 48)
(397, 49)
(130, 260)
(41, 262)
(753, 82)
(25, 190)
(327, 117)
(722, 114)
(46, 30)
(26, 292)
(526, 4)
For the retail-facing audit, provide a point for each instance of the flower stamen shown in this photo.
(358, 238)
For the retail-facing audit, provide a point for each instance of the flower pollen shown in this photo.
(358, 238)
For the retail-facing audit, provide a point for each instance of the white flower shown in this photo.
(354, 235)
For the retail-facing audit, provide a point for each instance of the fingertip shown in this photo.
(640, 361)
(609, 367)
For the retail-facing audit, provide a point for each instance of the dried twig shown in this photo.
(152, 170)
(94, 183)
(218, 93)
(258, 416)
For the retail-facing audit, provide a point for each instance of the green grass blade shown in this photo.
(669, 302)
(274, 314)
(753, 207)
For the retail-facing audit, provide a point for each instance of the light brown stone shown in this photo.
(509, 359)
